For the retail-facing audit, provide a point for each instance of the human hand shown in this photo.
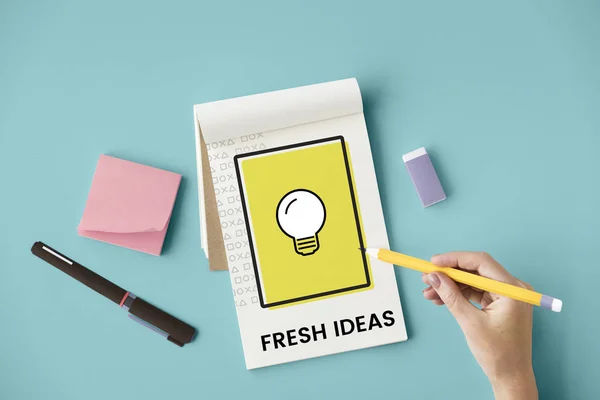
(498, 334)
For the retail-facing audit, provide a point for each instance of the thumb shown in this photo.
(452, 297)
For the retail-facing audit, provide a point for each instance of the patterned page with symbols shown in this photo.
(235, 237)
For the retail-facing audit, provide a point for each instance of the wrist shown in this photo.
(519, 385)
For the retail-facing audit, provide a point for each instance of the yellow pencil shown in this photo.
(476, 281)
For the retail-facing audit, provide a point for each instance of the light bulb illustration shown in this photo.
(301, 216)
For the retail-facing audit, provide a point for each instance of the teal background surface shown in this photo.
(505, 95)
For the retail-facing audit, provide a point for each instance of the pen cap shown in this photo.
(179, 332)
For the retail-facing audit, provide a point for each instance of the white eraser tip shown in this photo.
(414, 154)
(556, 305)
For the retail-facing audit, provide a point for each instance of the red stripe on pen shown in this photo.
(123, 300)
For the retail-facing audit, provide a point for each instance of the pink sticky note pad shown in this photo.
(129, 205)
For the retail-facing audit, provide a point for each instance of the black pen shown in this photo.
(140, 311)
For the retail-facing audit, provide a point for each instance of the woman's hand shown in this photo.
(498, 334)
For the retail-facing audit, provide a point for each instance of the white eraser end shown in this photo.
(414, 154)
(557, 305)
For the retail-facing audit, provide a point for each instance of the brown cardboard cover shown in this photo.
(216, 246)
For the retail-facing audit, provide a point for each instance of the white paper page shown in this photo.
(265, 112)
(256, 322)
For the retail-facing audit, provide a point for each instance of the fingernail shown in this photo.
(434, 280)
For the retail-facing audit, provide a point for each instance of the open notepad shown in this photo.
(288, 195)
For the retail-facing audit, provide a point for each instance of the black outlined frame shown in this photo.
(236, 162)
(283, 230)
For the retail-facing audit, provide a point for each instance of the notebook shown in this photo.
(288, 196)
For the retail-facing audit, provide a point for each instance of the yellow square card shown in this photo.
(303, 222)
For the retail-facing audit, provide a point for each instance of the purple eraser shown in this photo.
(423, 176)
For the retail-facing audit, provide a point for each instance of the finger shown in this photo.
(479, 262)
(473, 295)
(452, 297)
(425, 280)
(430, 294)
(525, 285)
(486, 299)
(469, 293)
